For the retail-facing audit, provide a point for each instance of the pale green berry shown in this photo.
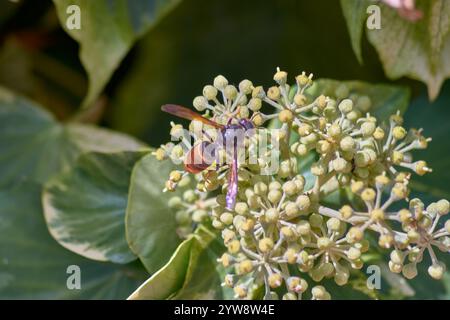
(272, 215)
(290, 188)
(200, 103)
(246, 86)
(258, 92)
(333, 224)
(183, 217)
(410, 270)
(209, 92)
(316, 220)
(230, 92)
(217, 224)
(346, 106)
(273, 93)
(291, 209)
(265, 245)
(340, 165)
(368, 128)
(318, 169)
(226, 218)
(347, 144)
(303, 228)
(275, 280)
(280, 77)
(442, 207)
(241, 208)
(320, 293)
(355, 234)
(302, 150)
(399, 133)
(254, 104)
(260, 188)
(334, 130)
(245, 266)
(368, 194)
(175, 202)
(303, 202)
(190, 196)
(436, 270)
(353, 253)
(341, 276)
(220, 82)
(274, 196)
(274, 185)
(397, 256)
(199, 215)
(289, 296)
(324, 243)
(353, 115)
(285, 116)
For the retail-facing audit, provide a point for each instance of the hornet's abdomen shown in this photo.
(199, 158)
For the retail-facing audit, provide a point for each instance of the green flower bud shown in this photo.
(347, 144)
(220, 82)
(200, 103)
(246, 86)
(315, 220)
(436, 270)
(271, 215)
(209, 92)
(230, 92)
(409, 270)
(368, 128)
(345, 106)
(273, 93)
(254, 104)
(183, 217)
(199, 215)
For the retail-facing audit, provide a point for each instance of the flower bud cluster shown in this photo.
(281, 235)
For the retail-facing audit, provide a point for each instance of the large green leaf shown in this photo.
(418, 50)
(354, 13)
(85, 207)
(34, 266)
(108, 30)
(33, 144)
(191, 273)
(169, 279)
(433, 118)
(385, 99)
(150, 223)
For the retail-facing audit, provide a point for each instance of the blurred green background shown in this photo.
(197, 40)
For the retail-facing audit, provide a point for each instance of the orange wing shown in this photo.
(186, 113)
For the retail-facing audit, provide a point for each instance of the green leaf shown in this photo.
(169, 278)
(150, 223)
(85, 206)
(385, 99)
(191, 273)
(418, 50)
(108, 30)
(34, 266)
(205, 274)
(432, 118)
(33, 144)
(355, 16)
